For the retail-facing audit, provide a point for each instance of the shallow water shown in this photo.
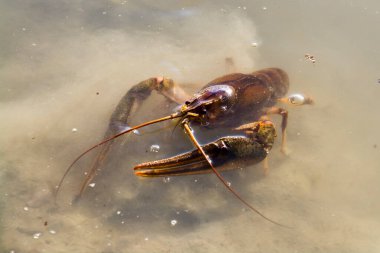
(65, 65)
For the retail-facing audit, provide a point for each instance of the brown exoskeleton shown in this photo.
(238, 101)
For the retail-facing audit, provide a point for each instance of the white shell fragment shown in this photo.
(254, 44)
(296, 99)
(37, 235)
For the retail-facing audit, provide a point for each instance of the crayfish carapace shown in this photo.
(238, 101)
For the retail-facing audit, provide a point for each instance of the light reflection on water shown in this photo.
(65, 65)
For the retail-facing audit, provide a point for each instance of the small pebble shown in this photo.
(74, 130)
(26, 208)
(92, 185)
(53, 232)
(173, 222)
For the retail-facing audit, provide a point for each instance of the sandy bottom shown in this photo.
(65, 67)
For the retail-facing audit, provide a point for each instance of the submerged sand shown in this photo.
(66, 65)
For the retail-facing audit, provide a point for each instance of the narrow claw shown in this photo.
(224, 151)
(191, 162)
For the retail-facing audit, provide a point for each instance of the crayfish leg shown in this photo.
(284, 122)
(266, 166)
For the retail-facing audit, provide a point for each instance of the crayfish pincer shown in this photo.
(241, 102)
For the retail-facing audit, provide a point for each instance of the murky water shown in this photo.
(65, 65)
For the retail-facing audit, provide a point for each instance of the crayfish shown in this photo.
(237, 101)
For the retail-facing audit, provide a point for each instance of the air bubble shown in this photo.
(154, 148)
(173, 222)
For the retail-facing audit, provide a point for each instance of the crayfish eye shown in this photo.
(187, 102)
(223, 98)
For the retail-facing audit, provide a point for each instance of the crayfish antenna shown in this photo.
(91, 174)
(220, 177)
(97, 163)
